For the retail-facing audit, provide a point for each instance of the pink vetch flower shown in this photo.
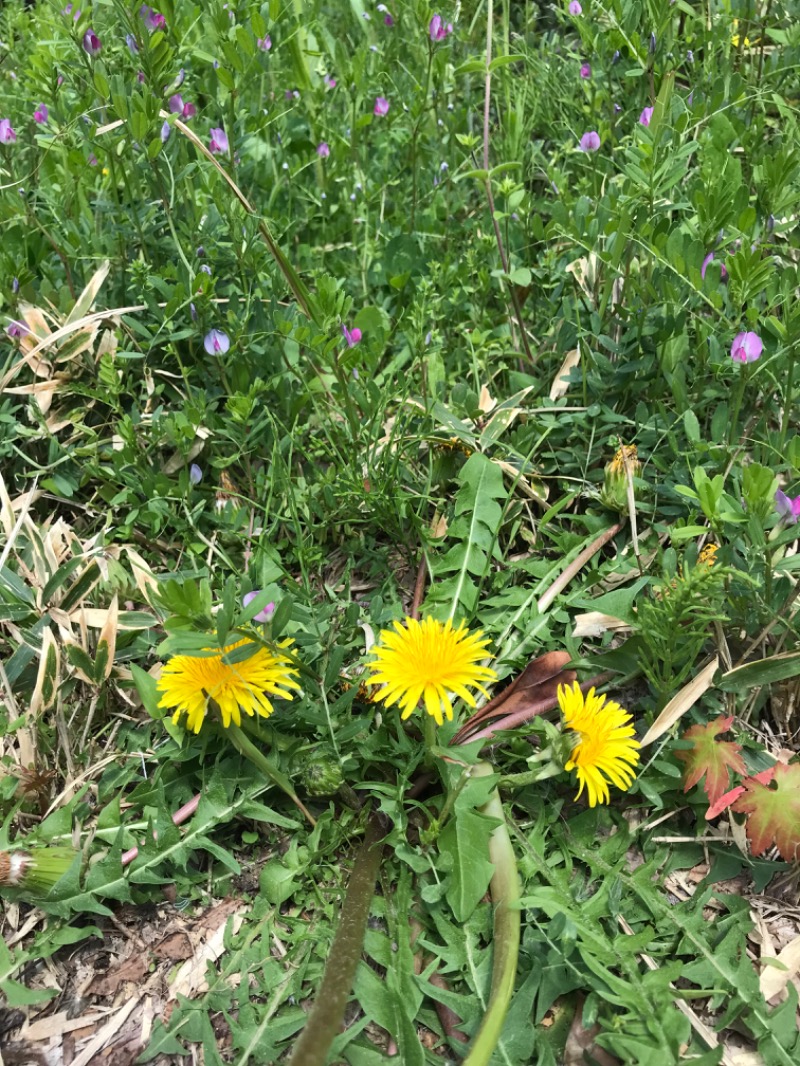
(586, 70)
(195, 474)
(41, 113)
(323, 150)
(219, 140)
(575, 8)
(7, 134)
(264, 43)
(15, 330)
(91, 43)
(709, 259)
(216, 342)
(646, 116)
(746, 348)
(330, 82)
(381, 106)
(788, 509)
(351, 336)
(265, 613)
(438, 29)
(178, 107)
(152, 19)
(92, 160)
(590, 141)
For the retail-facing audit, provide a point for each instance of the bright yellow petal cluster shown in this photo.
(605, 749)
(189, 681)
(430, 661)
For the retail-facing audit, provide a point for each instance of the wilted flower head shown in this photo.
(351, 336)
(590, 141)
(264, 43)
(788, 509)
(645, 116)
(625, 463)
(381, 106)
(216, 342)
(41, 113)
(709, 259)
(195, 474)
(746, 348)
(586, 70)
(438, 29)
(575, 8)
(91, 43)
(265, 613)
(219, 140)
(323, 150)
(7, 134)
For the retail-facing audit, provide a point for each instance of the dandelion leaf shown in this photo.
(473, 540)
(773, 811)
(711, 758)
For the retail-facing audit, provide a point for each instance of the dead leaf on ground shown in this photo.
(531, 693)
(175, 946)
(132, 969)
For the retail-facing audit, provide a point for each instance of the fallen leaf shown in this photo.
(130, 970)
(531, 693)
(773, 979)
(681, 702)
(773, 813)
(711, 758)
(560, 385)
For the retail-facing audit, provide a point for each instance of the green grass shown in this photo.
(526, 309)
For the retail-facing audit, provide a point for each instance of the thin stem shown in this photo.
(246, 747)
(489, 195)
(325, 1019)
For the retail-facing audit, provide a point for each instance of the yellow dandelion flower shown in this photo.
(189, 681)
(429, 660)
(605, 749)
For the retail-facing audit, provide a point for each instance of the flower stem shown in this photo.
(246, 747)
(325, 1019)
(505, 892)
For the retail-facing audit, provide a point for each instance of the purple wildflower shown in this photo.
(7, 134)
(351, 336)
(263, 615)
(92, 160)
(646, 116)
(216, 342)
(176, 104)
(41, 113)
(219, 140)
(746, 348)
(264, 43)
(91, 43)
(130, 40)
(330, 82)
(438, 29)
(206, 269)
(323, 150)
(590, 141)
(575, 8)
(708, 259)
(17, 330)
(152, 19)
(166, 130)
(788, 509)
(381, 106)
(586, 70)
(195, 474)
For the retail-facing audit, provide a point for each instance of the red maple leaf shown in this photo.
(711, 758)
(774, 811)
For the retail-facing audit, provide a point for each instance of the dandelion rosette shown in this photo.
(188, 682)
(430, 661)
(605, 749)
